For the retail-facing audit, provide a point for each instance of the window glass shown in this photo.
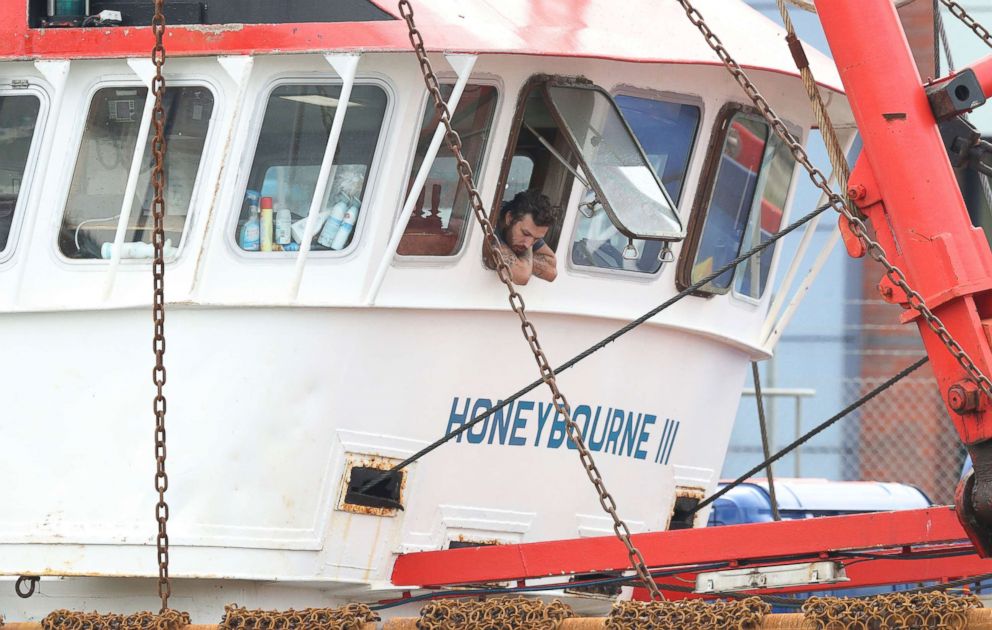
(96, 193)
(629, 190)
(667, 132)
(518, 180)
(777, 169)
(438, 224)
(284, 171)
(731, 199)
(18, 117)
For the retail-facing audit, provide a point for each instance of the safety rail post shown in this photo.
(905, 185)
(145, 71)
(462, 65)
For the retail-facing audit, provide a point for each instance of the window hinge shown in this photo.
(20, 84)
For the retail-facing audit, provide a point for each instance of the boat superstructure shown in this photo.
(294, 371)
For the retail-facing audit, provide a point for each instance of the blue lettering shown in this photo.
(664, 439)
(558, 433)
(543, 412)
(631, 430)
(616, 423)
(520, 422)
(641, 453)
(482, 405)
(597, 443)
(455, 419)
(501, 423)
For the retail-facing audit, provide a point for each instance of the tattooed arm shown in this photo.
(545, 264)
(521, 267)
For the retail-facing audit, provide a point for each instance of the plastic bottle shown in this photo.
(333, 224)
(301, 225)
(251, 231)
(347, 225)
(266, 224)
(284, 226)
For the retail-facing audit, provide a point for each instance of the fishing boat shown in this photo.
(332, 306)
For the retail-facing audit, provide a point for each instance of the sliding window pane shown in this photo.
(18, 118)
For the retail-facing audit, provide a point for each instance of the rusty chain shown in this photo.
(958, 11)
(698, 614)
(840, 204)
(71, 620)
(890, 611)
(498, 613)
(454, 142)
(158, 304)
(348, 617)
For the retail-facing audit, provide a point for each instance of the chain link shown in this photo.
(890, 611)
(958, 11)
(517, 304)
(744, 614)
(840, 204)
(72, 620)
(348, 617)
(498, 613)
(158, 304)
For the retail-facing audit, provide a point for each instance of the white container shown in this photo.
(300, 226)
(347, 225)
(284, 226)
(137, 250)
(332, 225)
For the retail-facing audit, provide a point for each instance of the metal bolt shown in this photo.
(857, 192)
(963, 397)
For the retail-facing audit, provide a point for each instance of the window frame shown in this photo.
(25, 194)
(480, 175)
(262, 97)
(655, 95)
(704, 194)
(124, 81)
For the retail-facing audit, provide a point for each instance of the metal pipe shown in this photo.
(346, 66)
(983, 70)
(462, 64)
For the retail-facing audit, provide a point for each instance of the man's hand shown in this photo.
(545, 264)
(521, 267)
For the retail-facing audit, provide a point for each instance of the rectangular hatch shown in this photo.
(617, 169)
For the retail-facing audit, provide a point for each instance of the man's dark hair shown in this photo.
(531, 202)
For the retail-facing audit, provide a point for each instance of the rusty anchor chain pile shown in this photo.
(891, 611)
(498, 613)
(743, 614)
(349, 617)
(72, 620)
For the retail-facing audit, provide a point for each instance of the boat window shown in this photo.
(739, 175)
(96, 194)
(284, 171)
(18, 117)
(625, 185)
(440, 217)
(777, 170)
(667, 132)
(540, 158)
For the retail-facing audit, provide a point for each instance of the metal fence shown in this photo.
(903, 435)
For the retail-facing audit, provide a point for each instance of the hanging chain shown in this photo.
(958, 11)
(517, 304)
(840, 204)
(158, 305)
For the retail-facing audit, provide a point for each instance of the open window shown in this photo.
(288, 156)
(96, 194)
(441, 216)
(666, 129)
(567, 130)
(749, 174)
(18, 121)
